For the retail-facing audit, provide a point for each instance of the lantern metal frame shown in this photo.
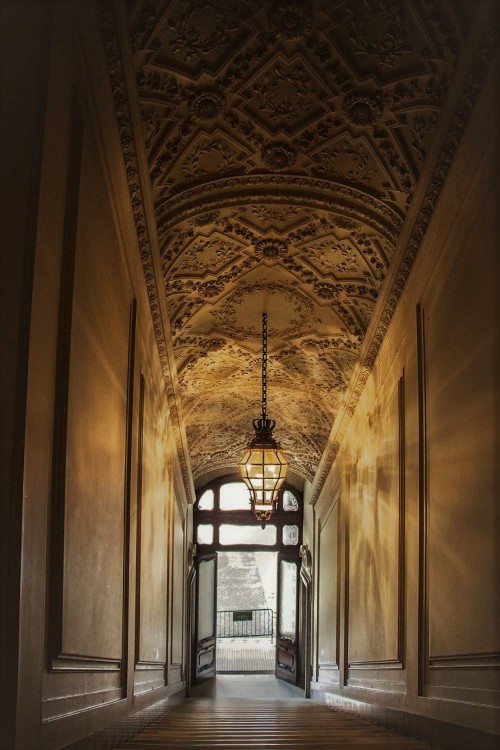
(264, 466)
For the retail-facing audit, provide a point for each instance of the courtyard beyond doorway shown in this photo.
(246, 612)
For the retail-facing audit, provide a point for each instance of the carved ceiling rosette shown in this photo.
(286, 144)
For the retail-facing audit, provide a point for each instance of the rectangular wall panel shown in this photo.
(178, 589)
(375, 538)
(152, 541)
(93, 492)
(462, 354)
(328, 594)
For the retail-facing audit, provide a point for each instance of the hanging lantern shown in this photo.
(264, 466)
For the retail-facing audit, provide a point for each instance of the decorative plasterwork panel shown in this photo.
(285, 142)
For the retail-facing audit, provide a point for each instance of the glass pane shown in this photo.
(233, 534)
(205, 533)
(290, 534)
(290, 502)
(287, 599)
(206, 599)
(234, 496)
(206, 501)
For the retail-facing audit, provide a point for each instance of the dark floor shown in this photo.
(259, 712)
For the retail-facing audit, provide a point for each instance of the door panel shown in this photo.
(286, 667)
(206, 593)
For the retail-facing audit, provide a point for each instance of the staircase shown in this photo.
(236, 724)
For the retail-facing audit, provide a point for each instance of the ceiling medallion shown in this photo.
(326, 290)
(289, 19)
(278, 156)
(362, 109)
(210, 288)
(207, 104)
(271, 249)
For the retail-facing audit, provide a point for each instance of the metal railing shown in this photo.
(244, 623)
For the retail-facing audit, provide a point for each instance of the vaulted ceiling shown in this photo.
(285, 142)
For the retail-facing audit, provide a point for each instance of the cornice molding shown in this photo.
(145, 228)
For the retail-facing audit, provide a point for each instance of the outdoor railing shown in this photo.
(244, 623)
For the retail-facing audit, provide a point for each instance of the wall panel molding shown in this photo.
(422, 502)
(465, 661)
(468, 676)
(397, 663)
(84, 350)
(56, 532)
(328, 671)
(152, 533)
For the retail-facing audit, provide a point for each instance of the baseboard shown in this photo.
(121, 731)
(439, 734)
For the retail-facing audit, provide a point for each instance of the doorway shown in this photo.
(247, 584)
(246, 612)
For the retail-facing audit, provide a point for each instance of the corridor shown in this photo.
(249, 356)
(263, 713)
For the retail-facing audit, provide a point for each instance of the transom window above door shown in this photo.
(223, 519)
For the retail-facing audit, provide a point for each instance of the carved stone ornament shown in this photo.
(286, 143)
(207, 104)
(278, 156)
(270, 248)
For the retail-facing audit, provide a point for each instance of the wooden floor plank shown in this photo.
(204, 724)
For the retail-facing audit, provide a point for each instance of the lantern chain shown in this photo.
(264, 366)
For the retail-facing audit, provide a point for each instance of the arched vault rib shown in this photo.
(283, 162)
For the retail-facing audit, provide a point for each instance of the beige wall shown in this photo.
(104, 513)
(406, 527)
(407, 520)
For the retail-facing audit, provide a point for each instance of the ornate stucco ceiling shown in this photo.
(285, 142)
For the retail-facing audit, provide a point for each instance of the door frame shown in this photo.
(286, 648)
(305, 596)
(207, 644)
(215, 516)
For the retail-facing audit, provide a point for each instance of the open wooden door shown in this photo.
(206, 614)
(287, 656)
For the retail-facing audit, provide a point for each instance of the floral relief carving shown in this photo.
(208, 156)
(271, 248)
(278, 156)
(346, 161)
(290, 19)
(207, 104)
(378, 30)
(204, 255)
(198, 29)
(285, 95)
(363, 108)
(335, 106)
